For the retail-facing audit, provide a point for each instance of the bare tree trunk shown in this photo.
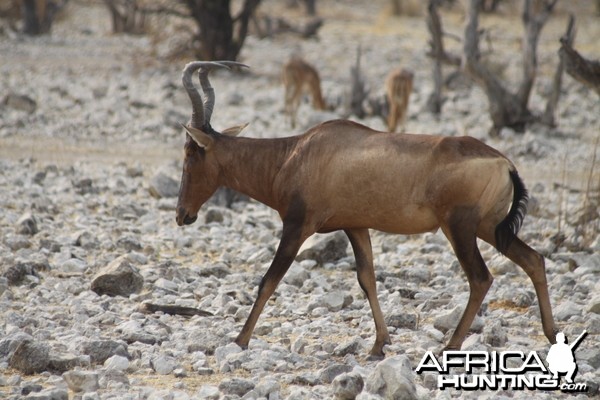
(221, 35)
(311, 7)
(127, 16)
(439, 55)
(548, 116)
(535, 15)
(490, 6)
(358, 93)
(38, 15)
(506, 109)
(396, 7)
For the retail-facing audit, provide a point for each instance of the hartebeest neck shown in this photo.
(250, 166)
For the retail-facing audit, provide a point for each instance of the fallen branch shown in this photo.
(150, 308)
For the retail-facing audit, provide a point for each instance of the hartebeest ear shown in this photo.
(200, 137)
(235, 130)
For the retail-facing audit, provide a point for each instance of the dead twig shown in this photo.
(150, 308)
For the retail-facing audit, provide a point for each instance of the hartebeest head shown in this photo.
(200, 177)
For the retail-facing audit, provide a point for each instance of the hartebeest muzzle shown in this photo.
(183, 218)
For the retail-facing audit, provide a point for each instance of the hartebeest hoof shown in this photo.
(448, 348)
(375, 357)
(242, 343)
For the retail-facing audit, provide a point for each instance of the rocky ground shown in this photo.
(89, 166)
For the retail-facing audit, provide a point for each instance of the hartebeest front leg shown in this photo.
(464, 243)
(361, 244)
(291, 239)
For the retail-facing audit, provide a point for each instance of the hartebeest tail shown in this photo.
(507, 230)
(341, 175)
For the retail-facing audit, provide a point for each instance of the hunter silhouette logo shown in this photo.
(516, 370)
(561, 357)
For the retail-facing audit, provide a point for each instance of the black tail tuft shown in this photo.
(507, 230)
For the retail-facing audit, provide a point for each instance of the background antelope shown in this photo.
(341, 175)
(398, 87)
(299, 76)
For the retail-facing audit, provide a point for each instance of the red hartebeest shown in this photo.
(398, 87)
(297, 76)
(341, 175)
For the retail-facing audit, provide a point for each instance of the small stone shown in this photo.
(474, 343)
(328, 374)
(213, 215)
(324, 248)
(299, 344)
(180, 373)
(30, 357)
(267, 388)
(354, 346)
(208, 392)
(204, 371)
(20, 102)
(18, 273)
(347, 386)
(223, 352)
(10, 343)
(17, 242)
(101, 350)
(162, 283)
(335, 300)
(393, 378)
(27, 388)
(65, 362)
(449, 321)
(296, 275)
(163, 365)
(119, 278)
(50, 394)
(3, 284)
(84, 186)
(566, 310)
(129, 243)
(116, 363)
(594, 305)
(27, 224)
(162, 185)
(590, 355)
(82, 381)
(73, 266)
(86, 240)
(495, 335)
(402, 320)
(236, 386)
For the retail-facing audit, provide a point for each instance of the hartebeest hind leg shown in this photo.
(533, 264)
(361, 244)
(464, 242)
(291, 239)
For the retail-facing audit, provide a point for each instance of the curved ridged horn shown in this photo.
(202, 111)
